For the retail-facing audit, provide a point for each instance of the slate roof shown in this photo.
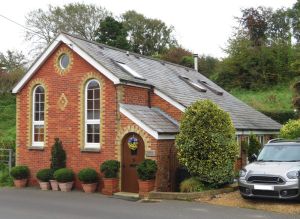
(167, 78)
(154, 118)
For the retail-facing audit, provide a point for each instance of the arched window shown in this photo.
(38, 116)
(92, 114)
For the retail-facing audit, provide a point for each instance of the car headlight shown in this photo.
(293, 174)
(242, 172)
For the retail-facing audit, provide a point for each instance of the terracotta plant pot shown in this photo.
(20, 183)
(111, 186)
(54, 185)
(66, 187)
(145, 187)
(89, 188)
(44, 186)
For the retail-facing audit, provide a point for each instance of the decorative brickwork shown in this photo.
(62, 102)
(59, 53)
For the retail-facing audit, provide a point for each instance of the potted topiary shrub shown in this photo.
(89, 179)
(20, 175)
(110, 169)
(58, 160)
(146, 172)
(65, 179)
(44, 176)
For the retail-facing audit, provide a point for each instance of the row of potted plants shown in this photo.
(63, 178)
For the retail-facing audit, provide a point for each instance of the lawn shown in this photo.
(277, 98)
(7, 117)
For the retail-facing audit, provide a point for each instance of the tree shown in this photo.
(207, 65)
(291, 130)
(206, 143)
(58, 156)
(112, 33)
(148, 36)
(75, 18)
(175, 54)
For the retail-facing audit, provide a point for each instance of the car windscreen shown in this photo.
(280, 153)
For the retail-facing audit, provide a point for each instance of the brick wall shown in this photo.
(66, 123)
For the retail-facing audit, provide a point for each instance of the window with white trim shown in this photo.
(38, 116)
(92, 114)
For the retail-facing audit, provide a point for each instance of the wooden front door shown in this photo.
(130, 160)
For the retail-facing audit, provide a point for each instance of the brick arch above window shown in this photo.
(81, 108)
(33, 84)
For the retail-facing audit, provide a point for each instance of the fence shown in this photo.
(7, 157)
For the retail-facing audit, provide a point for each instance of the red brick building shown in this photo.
(96, 98)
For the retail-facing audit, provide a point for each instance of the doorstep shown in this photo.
(126, 196)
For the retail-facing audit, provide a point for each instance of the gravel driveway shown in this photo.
(32, 203)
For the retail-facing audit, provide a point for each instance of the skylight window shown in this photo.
(220, 93)
(130, 71)
(193, 84)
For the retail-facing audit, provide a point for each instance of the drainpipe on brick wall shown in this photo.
(149, 97)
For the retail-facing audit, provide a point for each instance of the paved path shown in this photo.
(35, 204)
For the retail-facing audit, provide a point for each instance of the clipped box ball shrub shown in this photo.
(110, 168)
(147, 170)
(64, 175)
(192, 184)
(20, 172)
(88, 176)
(45, 175)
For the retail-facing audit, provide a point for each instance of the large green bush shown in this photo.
(291, 130)
(147, 170)
(20, 172)
(5, 178)
(58, 155)
(45, 175)
(206, 143)
(110, 168)
(88, 175)
(192, 184)
(64, 175)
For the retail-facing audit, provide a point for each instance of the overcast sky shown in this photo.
(202, 26)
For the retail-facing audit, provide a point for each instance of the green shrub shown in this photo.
(253, 147)
(147, 170)
(206, 143)
(45, 175)
(181, 174)
(192, 184)
(64, 175)
(58, 155)
(110, 168)
(88, 176)
(5, 178)
(20, 172)
(291, 130)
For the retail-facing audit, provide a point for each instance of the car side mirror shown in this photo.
(253, 158)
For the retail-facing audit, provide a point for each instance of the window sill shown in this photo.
(38, 148)
(90, 150)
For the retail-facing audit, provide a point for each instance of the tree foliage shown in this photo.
(76, 18)
(58, 155)
(291, 130)
(206, 143)
(147, 36)
(111, 32)
(253, 147)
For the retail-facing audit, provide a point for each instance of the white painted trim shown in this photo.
(34, 123)
(249, 132)
(49, 51)
(90, 121)
(142, 125)
(170, 100)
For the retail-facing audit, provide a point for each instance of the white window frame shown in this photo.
(34, 123)
(91, 121)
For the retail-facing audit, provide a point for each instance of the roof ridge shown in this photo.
(125, 51)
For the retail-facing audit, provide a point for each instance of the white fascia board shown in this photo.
(249, 132)
(48, 52)
(143, 126)
(170, 100)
